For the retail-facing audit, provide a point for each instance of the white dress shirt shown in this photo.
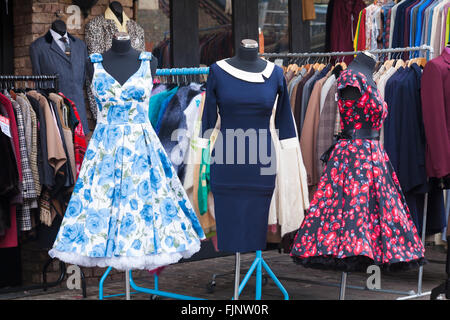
(56, 36)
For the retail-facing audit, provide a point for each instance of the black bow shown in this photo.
(326, 155)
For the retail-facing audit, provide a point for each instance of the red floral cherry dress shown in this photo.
(358, 215)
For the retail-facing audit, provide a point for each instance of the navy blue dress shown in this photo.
(243, 161)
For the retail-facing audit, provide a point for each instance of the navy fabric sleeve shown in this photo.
(34, 56)
(209, 117)
(284, 120)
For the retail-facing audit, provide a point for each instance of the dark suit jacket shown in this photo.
(47, 58)
(399, 25)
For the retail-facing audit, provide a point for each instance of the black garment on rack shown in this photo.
(328, 20)
(404, 131)
(66, 170)
(436, 218)
(404, 143)
(398, 32)
(46, 236)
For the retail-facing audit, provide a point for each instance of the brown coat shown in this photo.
(308, 139)
(68, 136)
(56, 155)
(327, 122)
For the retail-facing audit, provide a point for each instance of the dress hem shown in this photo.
(356, 263)
(148, 262)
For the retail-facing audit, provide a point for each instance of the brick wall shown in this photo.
(34, 259)
(33, 18)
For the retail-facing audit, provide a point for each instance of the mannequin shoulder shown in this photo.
(135, 25)
(77, 42)
(95, 57)
(274, 69)
(146, 55)
(95, 22)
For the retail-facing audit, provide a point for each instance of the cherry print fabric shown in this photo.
(358, 215)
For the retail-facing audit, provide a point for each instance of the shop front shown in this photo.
(115, 115)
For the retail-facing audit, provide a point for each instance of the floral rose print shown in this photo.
(358, 215)
(125, 210)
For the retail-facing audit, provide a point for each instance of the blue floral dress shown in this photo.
(128, 209)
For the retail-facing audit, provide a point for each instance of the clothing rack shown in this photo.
(343, 284)
(182, 71)
(182, 75)
(41, 81)
(343, 53)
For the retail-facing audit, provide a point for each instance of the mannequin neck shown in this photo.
(117, 9)
(364, 64)
(59, 27)
(247, 59)
(121, 46)
(247, 54)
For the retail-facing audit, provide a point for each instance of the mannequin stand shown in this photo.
(127, 293)
(258, 264)
(237, 275)
(130, 282)
(410, 295)
(343, 286)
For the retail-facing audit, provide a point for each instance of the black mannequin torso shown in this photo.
(59, 27)
(121, 61)
(247, 59)
(364, 64)
(117, 9)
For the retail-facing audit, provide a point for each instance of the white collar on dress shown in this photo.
(247, 76)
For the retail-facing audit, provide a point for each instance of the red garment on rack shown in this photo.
(361, 45)
(10, 238)
(435, 92)
(79, 139)
(343, 25)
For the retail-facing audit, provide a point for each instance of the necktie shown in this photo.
(67, 49)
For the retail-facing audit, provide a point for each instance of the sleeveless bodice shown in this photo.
(122, 104)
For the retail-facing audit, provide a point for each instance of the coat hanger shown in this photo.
(400, 62)
(388, 64)
(342, 63)
(316, 65)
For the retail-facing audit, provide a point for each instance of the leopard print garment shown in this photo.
(99, 33)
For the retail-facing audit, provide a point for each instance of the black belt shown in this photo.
(370, 134)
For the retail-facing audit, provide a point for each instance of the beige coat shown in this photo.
(56, 155)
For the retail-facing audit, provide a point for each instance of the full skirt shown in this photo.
(358, 215)
(128, 209)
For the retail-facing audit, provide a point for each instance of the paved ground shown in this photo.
(193, 278)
